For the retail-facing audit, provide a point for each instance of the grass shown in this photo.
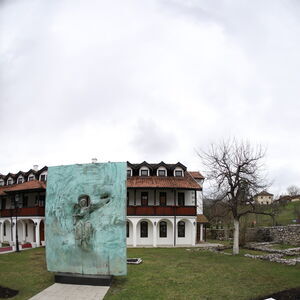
(224, 243)
(282, 246)
(25, 271)
(285, 216)
(246, 251)
(178, 273)
(166, 273)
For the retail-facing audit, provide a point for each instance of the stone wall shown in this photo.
(289, 234)
(219, 234)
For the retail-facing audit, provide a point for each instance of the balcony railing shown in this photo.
(22, 212)
(161, 210)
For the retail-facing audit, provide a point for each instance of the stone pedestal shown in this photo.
(81, 279)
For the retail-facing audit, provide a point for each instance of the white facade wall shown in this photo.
(33, 230)
(153, 239)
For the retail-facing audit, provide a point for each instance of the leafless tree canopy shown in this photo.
(293, 190)
(236, 171)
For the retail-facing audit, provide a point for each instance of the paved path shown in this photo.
(60, 291)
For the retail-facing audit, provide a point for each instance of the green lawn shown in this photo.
(166, 273)
(285, 216)
(25, 271)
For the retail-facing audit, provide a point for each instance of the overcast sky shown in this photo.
(148, 80)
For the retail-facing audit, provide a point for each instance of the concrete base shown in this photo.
(80, 279)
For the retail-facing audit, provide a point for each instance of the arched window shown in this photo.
(144, 229)
(181, 229)
(127, 229)
(163, 229)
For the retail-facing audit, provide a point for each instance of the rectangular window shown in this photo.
(127, 229)
(178, 173)
(162, 198)
(3, 204)
(20, 180)
(161, 172)
(9, 182)
(26, 229)
(30, 178)
(25, 201)
(43, 177)
(1, 182)
(144, 172)
(144, 198)
(42, 200)
(181, 199)
(128, 173)
(4, 228)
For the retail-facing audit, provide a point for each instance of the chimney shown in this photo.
(35, 167)
(94, 160)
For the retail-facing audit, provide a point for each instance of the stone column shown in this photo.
(201, 232)
(134, 225)
(37, 233)
(154, 234)
(13, 238)
(194, 233)
(23, 232)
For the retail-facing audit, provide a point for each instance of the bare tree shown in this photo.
(293, 190)
(235, 171)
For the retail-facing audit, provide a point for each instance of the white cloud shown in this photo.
(151, 80)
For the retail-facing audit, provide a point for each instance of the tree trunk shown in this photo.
(236, 224)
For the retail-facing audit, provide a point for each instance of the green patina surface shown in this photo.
(85, 219)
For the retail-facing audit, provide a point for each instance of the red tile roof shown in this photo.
(186, 182)
(197, 175)
(28, 185)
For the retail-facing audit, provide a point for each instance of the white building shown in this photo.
(264, 198)
(164, 206)
(22, 202)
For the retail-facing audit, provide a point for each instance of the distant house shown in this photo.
(288, 198)
(264, 198)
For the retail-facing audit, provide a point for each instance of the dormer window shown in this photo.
(178, 173)
(129, 172)
(30, 178)
(43, 176)
(161, 173)
(145, 172)
(9, 181)
(1, 182)
(20, 180)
